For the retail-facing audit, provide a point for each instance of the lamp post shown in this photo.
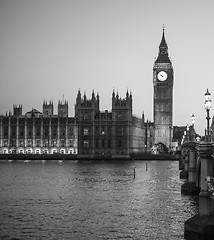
(192, 132)
(207, 105)
(188, 133)
(193, 119)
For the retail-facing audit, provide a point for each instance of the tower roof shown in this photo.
(163, 51)
(163, 41)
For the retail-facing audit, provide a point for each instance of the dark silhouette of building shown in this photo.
(92, 132)
(163, 96)
(108, 134)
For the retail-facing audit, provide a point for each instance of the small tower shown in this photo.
(122, 105)
(121, 125)
(85, 106)
(63, 108)
(85, 112)
(17, 110)
(48, 108)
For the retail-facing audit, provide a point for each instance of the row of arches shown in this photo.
(37, 150)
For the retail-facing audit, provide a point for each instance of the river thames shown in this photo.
(93, 200)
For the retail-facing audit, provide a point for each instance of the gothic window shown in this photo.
(62, 133)
(38, 132)
(54, 143)
(29, 131)
(46, 131)
(119, 143)
(119, 116)
(86, 144)
(54, 131)
(70, 143)
(38, 143)
(5, 143)
(13, 131)
(85, 116)
(70, 131)
(97, 144)
(21, 132)
(109, 143)
(29, 143)
(103, 131)
(6, 131)
(85, 131)
(13, 143)
(62, 143)
(21, 143)
(46, 143)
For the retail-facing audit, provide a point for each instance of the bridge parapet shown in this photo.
(189, 156)
(201, 226)
(185, 157)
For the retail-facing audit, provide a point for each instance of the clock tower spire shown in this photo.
(163, 51)
(163, 95)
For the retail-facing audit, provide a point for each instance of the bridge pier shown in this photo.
(185, 163)
(190, 187)
(201, 226)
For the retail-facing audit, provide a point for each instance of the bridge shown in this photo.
(197, 167)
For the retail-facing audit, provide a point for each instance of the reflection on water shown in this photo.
(93, 200)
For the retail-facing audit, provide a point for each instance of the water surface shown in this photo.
(93, 200)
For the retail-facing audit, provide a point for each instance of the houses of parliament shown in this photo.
(92, 132)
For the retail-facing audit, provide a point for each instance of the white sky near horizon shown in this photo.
(51, 48)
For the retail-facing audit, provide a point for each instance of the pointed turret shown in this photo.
(113, 94)
(127, 94)
(163, 41)
(163, 51)
(93, 95)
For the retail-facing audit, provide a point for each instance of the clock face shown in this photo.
(162, 76)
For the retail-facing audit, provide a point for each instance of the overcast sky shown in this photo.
(51, 48)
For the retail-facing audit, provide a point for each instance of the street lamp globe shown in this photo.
(207, 105)
(208, 102)
(193, 119)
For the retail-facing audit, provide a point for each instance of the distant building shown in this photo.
(37, 132)
(111, 134)
(183, 134)
(149, 136)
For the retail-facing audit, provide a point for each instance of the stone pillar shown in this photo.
(34, 134)
(58, 133)
(192, 165)
(49, 137)
(25, 132)
(1, 133)
(185, 160)
(75, 137)
(42, 137)
(201, 226)
(66, 134)
(190, 187)
(9, 132)
(17, 133)
(207, 165)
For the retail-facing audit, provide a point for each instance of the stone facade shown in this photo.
(108, 134)
(37, 132)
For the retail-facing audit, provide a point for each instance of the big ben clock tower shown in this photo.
(163, 95)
